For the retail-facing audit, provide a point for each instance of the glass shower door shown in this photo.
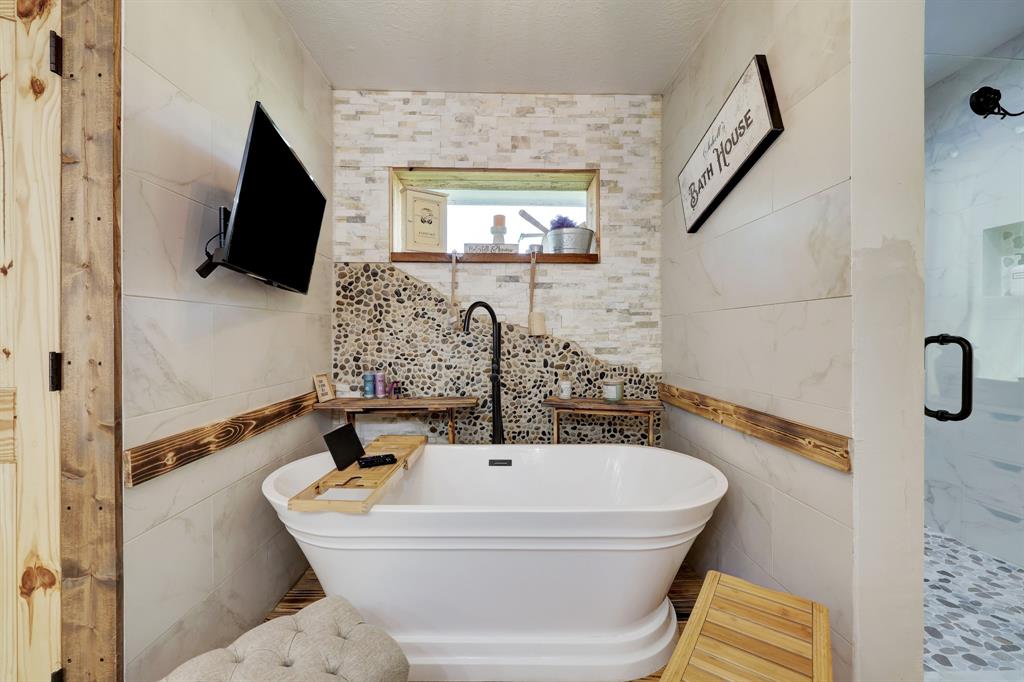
(974, 291)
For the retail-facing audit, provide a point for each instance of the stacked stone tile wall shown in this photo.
(610, 310)
(387, 320)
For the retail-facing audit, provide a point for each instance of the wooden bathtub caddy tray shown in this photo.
(406, 449)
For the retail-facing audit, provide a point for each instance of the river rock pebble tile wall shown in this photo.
(387, 320)
(974, 613)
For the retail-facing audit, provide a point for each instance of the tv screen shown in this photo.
(277, 211)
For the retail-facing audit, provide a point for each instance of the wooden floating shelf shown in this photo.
(407, 451)
(425, 404)
(145, 462)
(542, 258)
(824, 447)
(354, 405)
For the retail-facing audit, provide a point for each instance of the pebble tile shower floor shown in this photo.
(973, 614)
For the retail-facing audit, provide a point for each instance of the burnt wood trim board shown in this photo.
(91, 585)
(824, 447)
(146, 462)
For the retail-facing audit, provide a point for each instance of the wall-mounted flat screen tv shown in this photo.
(274, 222)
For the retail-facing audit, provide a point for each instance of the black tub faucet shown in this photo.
(497, 428)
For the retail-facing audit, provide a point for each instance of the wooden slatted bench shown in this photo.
(741, 631)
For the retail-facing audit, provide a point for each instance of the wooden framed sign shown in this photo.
(426, 217)
(324, 388)
(743, 129)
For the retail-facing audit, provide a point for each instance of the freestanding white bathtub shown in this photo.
(551, 565)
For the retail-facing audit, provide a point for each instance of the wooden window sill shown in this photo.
(570, 258)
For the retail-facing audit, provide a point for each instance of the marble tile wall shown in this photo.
(974, 470)
(757, 304)
(611, 310)
(204, 554)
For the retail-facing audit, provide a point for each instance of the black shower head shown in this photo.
(985, 101)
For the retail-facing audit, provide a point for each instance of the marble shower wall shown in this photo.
(974, 470)
(756, 306)
(386, 319)
(612, 309)
(204, 554)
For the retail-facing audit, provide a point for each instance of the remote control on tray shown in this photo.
(375, 461)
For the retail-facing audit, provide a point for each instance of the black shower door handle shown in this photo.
(966, 378)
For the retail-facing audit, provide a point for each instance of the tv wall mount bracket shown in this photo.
(216, 257)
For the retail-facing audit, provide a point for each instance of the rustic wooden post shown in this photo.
(91, 614)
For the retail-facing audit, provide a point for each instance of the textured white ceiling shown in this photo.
(955, 29)
(514, 46)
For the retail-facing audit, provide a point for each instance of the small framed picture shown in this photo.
(426, 214)
(324, 388)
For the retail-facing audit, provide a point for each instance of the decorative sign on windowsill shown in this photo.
(486, 247)
(743, 129)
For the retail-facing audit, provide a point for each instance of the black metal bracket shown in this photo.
(56, 54)
(57, 675)
(56, 371)
(966, 379)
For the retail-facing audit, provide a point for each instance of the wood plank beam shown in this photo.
(578, 180)
(92, 609)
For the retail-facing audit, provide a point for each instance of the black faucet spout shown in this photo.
(497, 427)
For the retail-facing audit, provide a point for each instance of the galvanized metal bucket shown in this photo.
(568, 240)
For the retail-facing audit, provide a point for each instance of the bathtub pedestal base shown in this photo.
(631, 654)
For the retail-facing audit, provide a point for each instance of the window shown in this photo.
(488, 215)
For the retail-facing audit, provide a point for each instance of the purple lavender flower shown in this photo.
(560, 221)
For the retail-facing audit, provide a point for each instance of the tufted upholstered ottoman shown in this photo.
(325, 642)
